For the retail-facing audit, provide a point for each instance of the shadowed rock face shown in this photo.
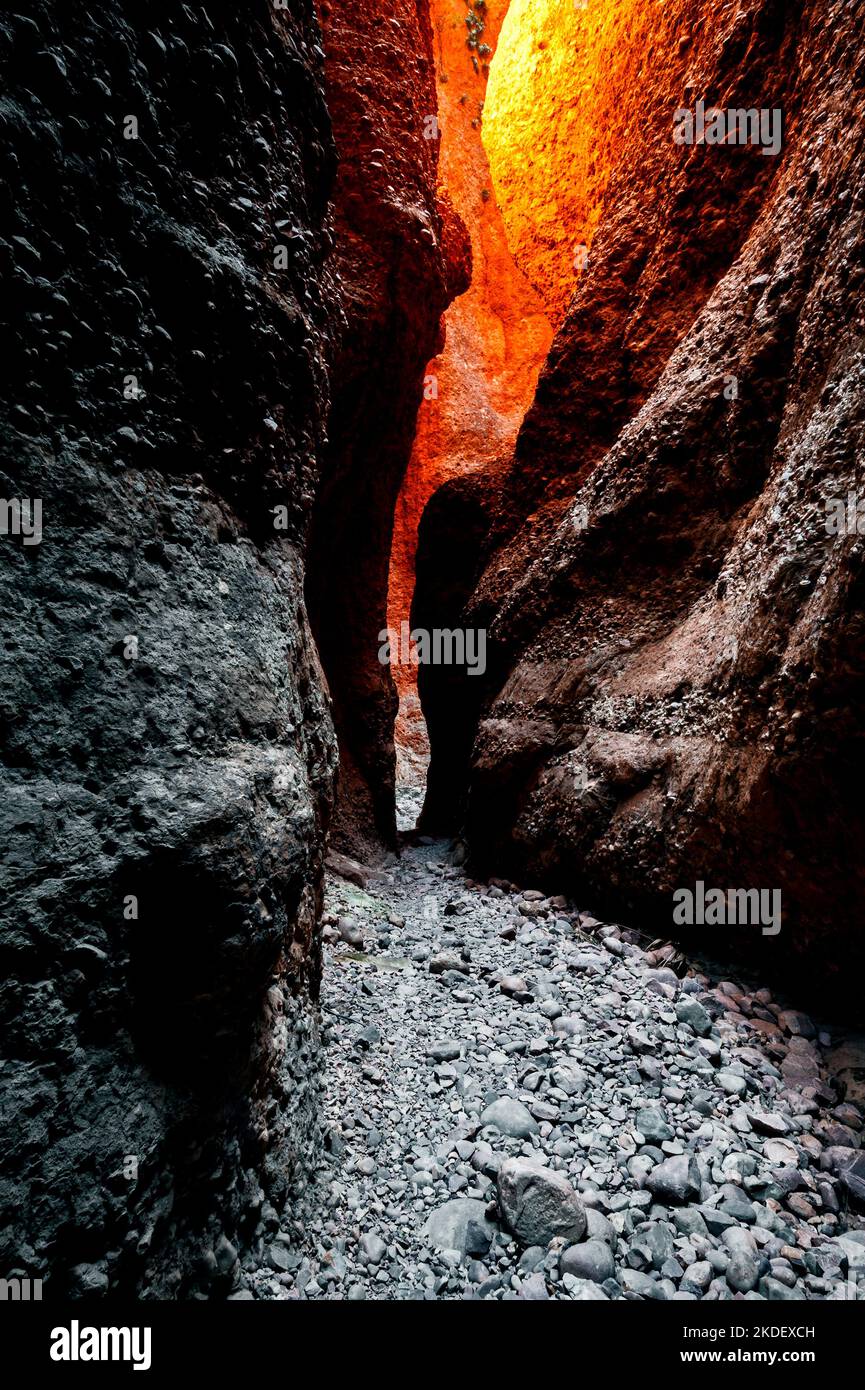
(675, 688)
(402, 254)
(167, 742)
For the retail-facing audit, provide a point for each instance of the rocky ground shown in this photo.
(525, 1102)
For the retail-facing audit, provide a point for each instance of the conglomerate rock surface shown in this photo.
(167, 744)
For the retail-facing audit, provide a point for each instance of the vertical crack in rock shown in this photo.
(402, 254)
(227, 251)
(496, 337)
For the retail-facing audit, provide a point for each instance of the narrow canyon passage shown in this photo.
(496, 337)
(537, 324)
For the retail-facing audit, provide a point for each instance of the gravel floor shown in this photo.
(526, 1103)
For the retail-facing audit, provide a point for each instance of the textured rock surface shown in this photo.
(673, 686)
(537, 1204)
(402, 254)
(562, 101)
(167, 743)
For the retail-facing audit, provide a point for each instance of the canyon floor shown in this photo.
(694, 1137)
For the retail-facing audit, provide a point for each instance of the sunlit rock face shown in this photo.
(496, 334)
(567, 89)
(168, 753)
(676, 641)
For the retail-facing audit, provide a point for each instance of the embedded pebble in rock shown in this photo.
(531, 1114)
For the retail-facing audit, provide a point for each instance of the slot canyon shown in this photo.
(331, 970)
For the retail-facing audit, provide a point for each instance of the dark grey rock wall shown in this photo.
(167, 744)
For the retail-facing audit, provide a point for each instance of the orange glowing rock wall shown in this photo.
(563, 91)
(497, 335)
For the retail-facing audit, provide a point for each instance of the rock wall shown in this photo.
(676, 662)
(563, 99)
(402, 253)
(167, 744)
